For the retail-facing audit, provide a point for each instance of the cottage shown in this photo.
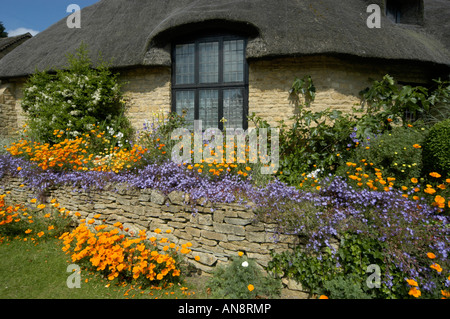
(213, 59)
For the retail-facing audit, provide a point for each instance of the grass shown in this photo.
(39, 271)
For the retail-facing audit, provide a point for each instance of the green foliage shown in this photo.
(231, 281)
(387, 100)
(3, 33)
(436, 149)
(344, 274)
(346, 287)
(313, 139)
(156, 137)
(76, 98)
(392, 152)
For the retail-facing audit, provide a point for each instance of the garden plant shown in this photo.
(370, 187)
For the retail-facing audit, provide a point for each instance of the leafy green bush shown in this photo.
(395, 153)
(76, 98)
(436, 149)
(232, 281)
(343, 275)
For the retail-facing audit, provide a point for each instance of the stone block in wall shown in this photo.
(229, 229)
(213, 235)
(158, 197)
(238, 221)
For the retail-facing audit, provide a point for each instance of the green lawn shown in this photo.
(39, 271)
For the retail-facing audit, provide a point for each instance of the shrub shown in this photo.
(436, 149)
(75, 98)
(242, 279)
(395, 153)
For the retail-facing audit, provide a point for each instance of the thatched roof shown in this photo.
(8, 42)
(139, 32)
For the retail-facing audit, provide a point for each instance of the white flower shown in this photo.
(245, 264)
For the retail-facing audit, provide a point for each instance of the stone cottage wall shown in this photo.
(338, 82)
(217, 232)
(8, 115)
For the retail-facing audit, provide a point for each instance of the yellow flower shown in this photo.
(33, 200)
(157, 230)
(250, 287)
(41, 206)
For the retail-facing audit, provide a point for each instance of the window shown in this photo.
(405, 11)
(210, 81)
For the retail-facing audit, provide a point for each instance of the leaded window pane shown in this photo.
(209, 108)
(185, 105)
(209, 62)
(233, 60)
(233, 105)
(185, 63)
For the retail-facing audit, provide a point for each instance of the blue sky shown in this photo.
(21, 16)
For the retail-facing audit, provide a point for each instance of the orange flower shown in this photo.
(197, 258)
(33, 200)
(323, 297)
(240, 254)
(28, 231)
(415, 292)
(437, 267)
(412, 282)
(19, 168)
(417, 146)
(414, 180)
(431, 255)
(430, 190)
(435, 175)
(250, 287)
(41, 206)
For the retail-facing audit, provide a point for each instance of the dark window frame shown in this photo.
(404, 11)
(221, 86)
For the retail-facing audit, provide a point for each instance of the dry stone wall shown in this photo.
(217, 232)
